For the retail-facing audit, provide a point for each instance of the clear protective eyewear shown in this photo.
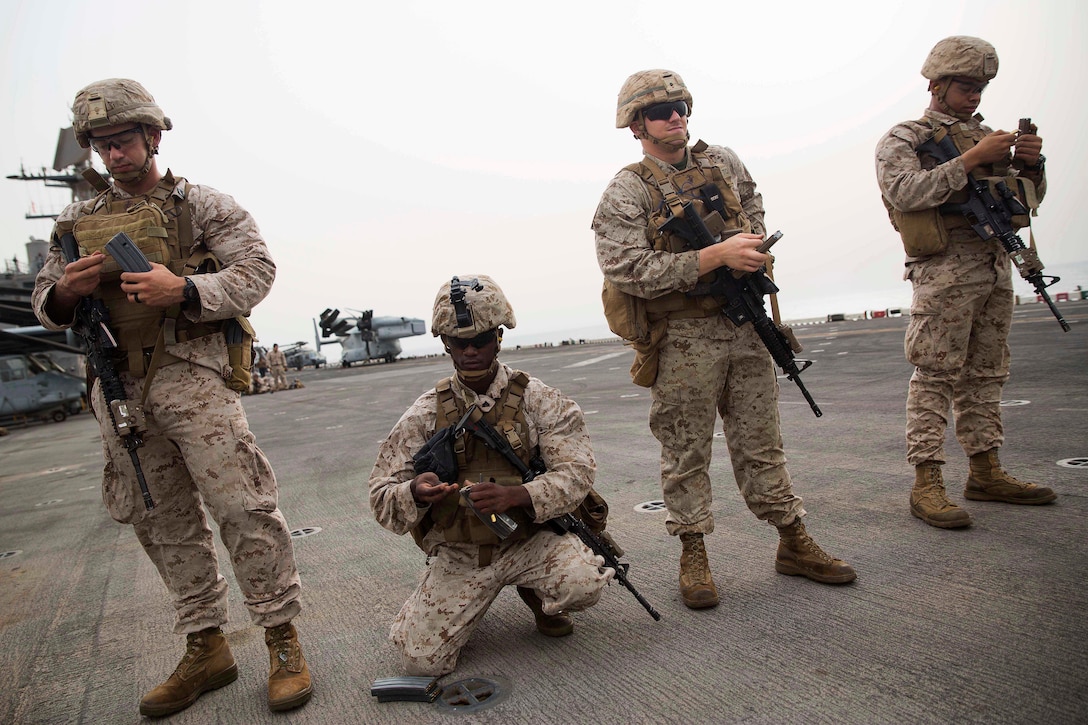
(120, 140)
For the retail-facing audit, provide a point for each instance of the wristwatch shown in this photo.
(1038, 165)
(191, 293)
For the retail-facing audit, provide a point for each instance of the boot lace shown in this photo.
(808, 546)
(936, 497)
(933, 493)
(194, 646)
(698, 567)
(279, 643)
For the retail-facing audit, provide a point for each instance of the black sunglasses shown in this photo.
(664, 111)
(481, 340)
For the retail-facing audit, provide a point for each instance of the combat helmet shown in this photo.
(961, 55)
(469, 305)
(112, 102)
(646, 88)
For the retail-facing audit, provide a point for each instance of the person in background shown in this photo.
(278, 362)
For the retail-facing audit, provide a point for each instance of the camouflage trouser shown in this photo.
(707, 367)
(198, 449)
(958, 342)
(440, 616)
(279, 378)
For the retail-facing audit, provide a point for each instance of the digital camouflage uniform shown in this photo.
(708, 366)
(957, 338)
(197, 446)
(963, 299)
(440, 616)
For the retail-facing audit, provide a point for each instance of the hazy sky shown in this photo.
(384, 149)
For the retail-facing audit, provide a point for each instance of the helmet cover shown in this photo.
(112, 102)
(469, 305)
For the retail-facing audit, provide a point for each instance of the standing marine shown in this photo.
(210, 267)
(277, 360)
(697, 363)
(961, 311)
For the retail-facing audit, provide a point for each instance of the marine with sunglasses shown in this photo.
(961, 311)
(468, 564)
(697, 363)
(209, 268)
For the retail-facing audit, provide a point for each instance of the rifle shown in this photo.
(744, 294)
(92, 325)
(991, 217)
(560, 524)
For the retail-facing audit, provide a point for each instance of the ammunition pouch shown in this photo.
(644, 368)
(240, 336)
(625, 313)
(144, 223)
(923, 232)
(628, 317)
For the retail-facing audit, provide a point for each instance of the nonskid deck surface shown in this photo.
(983, 624)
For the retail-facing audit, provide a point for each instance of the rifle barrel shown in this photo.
(804, 391)
(1040, 288)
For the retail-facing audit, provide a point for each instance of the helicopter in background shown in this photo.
(299, 355)
(33, 386)
(363, 337)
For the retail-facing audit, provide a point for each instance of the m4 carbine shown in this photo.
(991, 216)
(744, 294)
(560, 524)
(126, 415)
(437, 455)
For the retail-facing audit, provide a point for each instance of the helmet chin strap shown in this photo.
(939, 88)
(135, 177)
(673, 143)
(473, 376)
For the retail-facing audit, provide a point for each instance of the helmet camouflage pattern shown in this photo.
(469, 305)
(646, 88)
(112, 102)
(961, 55)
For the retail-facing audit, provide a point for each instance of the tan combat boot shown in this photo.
(206, 665)
(929, 502)
(696, 585)
(551, 625)
(799, 555)
(289, 678)
(988, 481)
